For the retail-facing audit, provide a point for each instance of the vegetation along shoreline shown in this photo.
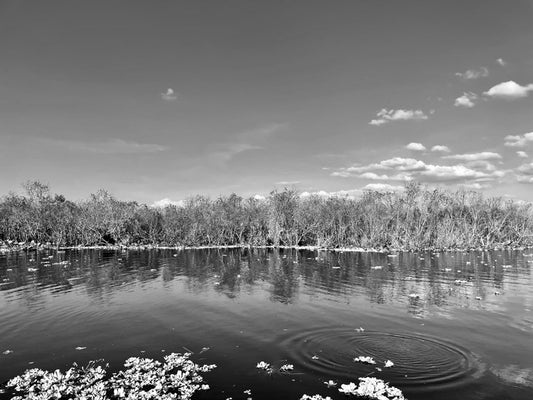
(415, 219)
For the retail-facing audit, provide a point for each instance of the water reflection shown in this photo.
(421, 282)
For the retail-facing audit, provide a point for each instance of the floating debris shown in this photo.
(81, 348)
(389, 364)
(414, 295)
(314, 397)
(365, 360)
(263, 365)
(330, 383)
(247, 391)
(286, 368)
(315, 357)
(360, 329)
(377, 267)
(7, 352)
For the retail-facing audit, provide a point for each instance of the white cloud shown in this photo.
(375, 177)
(259, 197)
(526, 169)
(386, 116)
(475, 169)
(350, 194)
(452, 172)
(416, 146)
(467, 100)
(109, 146)
(518, 140)
(473, 73)
(169, 95)
(525, 173)
(167, 202)
(383, 187)
(501, 62)
(485, 155)
(509, 90)
(522, 154)
(403, 164)
(440, 149)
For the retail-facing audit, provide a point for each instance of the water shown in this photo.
(456, 325)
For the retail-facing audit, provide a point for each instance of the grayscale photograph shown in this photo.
(266, 199)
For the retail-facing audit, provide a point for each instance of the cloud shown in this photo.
(509, 90)
(259, 197)
(485, 155)
(452, 173)
(109, 146)
(475, 169)
(440, 149)
(383, 187)
(167, 202)
(467, 100)
(416, 146)
(524, 173)
(473, 73)
(518, 140)
(253, 139)
(350, 194)
(522, 154)
(169, 95)
(526, 169)
(375, 177)
(501, 62)
(386, 116)
(287, 182)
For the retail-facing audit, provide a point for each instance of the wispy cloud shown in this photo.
(415, 146)
(110, 146)
(518, 140)
(386, 116)
(253, 139)
(169, 95)
(509, 90)
(522, 154)
(484, 155)
(473, 73)
(287, 182)
(467, 100)
(501, 62)
(440, 149)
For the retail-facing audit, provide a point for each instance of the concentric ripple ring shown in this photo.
(418, 360)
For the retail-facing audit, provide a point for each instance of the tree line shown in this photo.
(415, 218)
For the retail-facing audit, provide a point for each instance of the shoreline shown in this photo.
(6, 247)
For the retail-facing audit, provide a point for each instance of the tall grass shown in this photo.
(415, 218)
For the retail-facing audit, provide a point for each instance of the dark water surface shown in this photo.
(456, 325)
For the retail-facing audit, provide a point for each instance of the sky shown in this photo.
(159, 101)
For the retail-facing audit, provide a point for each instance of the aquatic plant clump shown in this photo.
(372, 388)
(176, 378)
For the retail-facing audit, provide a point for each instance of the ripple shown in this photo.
(419, 361)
